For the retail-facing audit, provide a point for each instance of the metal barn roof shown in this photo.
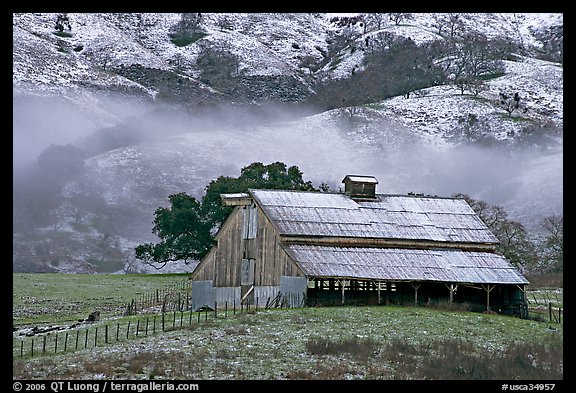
(405, 264)
(387, 217)
(361, 179)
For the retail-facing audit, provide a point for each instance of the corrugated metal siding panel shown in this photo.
(404, 264)
(202, 294)
(296, 285)
(263, 294)
(227, 296)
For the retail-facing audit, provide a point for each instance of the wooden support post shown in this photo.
(524, 306)
(342, 284)
(416, 286)
(452, 288)
(488, 289)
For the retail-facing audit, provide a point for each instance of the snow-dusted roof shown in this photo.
(406, 217)
(361, 179)
(405, 264)
(237, 195)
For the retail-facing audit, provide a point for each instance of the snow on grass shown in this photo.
(272, 344)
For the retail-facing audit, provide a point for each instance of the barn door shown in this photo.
(247, 267)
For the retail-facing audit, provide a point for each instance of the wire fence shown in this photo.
(171, 298)
(547, 307)
(98, 334)
(552, 313)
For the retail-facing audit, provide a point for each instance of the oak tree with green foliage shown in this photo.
(183, 230)
(187, 228)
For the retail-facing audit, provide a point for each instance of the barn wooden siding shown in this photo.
(247, 264)
(223, 263)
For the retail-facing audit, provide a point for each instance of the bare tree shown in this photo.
(179, 61)
(513, 238)
(477, 86)
(455, 23)
(225, 23)
(351, 111)
(510, 103)
(552, 253)
(470, 59)
(374, 21)
(451, 21)
(398, 17)
(440, 21)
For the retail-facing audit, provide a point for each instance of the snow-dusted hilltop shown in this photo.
(140, 106)
(266, 44)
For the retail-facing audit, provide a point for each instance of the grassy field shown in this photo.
(58, 298)
(382, 342)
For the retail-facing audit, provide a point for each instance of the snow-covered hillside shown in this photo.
(113, 72)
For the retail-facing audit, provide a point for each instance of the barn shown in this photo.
(301, 248)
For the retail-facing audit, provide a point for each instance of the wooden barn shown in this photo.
(296, 248)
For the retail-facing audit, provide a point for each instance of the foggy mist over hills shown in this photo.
(93, 160)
